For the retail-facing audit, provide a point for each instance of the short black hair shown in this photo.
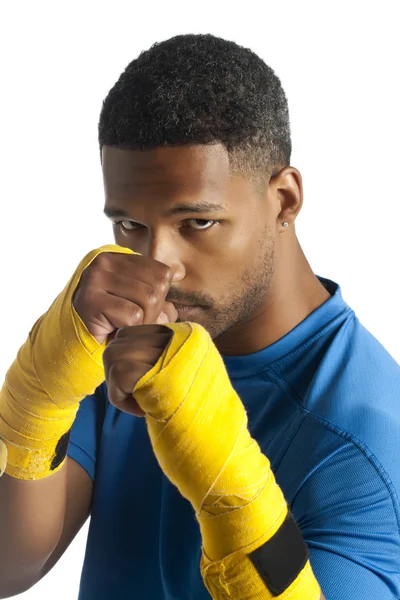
(200, 89)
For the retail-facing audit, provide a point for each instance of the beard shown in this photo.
(243, 299)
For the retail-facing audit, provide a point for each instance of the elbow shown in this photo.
(9, 589)
(17, 581)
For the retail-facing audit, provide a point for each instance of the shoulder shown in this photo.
(345, 381)
(346, 504)
(356, 392)
(347, 390)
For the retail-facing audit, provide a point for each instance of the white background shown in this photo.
(339, 64)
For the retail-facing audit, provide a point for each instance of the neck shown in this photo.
(294, 292)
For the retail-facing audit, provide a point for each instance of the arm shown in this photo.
(348, 514)
(346, 509)
(79, 498)
(252, 548)
(38, 521)
(59, 365)
(41, 518)
(28, 535)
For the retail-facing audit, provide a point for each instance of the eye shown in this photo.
(200, 224)
(127, 225)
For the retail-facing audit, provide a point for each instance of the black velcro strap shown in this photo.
(280, 560)
(60, 451)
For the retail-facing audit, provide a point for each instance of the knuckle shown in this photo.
(162, 284)
(136, 314)
(84, 296)
(163, 275)
(102, 261)
(120, 333)
(132, 314)
(91, 277)
(120, 367)
(162, 287)
(120, 372)
(152, 296)
(108, 355)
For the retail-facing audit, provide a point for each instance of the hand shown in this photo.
(119, 290)
(133, 352)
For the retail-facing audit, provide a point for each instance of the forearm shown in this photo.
(59, 364)
(204, 447)
(31, 521)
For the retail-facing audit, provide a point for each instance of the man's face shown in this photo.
(182, 207)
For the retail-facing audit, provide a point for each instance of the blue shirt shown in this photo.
(324, 404)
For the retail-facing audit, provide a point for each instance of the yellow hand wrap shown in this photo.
(198, 429)
(59, 364)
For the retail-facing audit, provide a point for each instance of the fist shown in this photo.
(132, 352)
(119, 290)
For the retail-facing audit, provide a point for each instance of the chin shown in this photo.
(198, 321)
(211, 328)
(195, 320)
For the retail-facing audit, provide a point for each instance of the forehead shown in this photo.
(166, 171)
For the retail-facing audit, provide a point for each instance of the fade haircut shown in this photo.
(201, 89)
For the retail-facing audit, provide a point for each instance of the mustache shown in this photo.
(198, 298)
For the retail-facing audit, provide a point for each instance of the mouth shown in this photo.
(184, 309)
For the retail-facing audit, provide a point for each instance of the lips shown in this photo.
(186, 309)
(181, 307)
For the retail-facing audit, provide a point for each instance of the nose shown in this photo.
(164, 248)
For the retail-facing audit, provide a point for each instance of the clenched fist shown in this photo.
(119, 290)
(133, 352)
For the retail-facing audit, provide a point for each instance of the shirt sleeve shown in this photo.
(348, 512)
(87, 429)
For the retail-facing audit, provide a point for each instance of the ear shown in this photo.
(286, 187)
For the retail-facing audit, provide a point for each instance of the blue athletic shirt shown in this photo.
(323, 402)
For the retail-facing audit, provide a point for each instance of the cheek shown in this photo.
(243, 247)
(218, 265)
(119, 237)
(134, 241)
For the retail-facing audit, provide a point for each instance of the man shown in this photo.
(195, 149)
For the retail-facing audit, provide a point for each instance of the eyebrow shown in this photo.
(202, 207)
